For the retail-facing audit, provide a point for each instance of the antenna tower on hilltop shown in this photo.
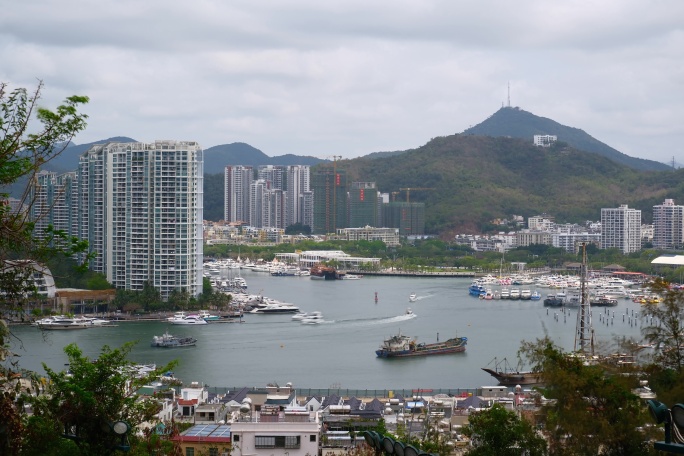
(509, 94)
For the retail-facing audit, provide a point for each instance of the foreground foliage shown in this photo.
(83, 403)
(593, 408)
(23, 150)
(497, 431)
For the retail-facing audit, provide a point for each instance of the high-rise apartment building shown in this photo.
(363, 205)
(141, 209)
(621, 229)
(55, 203)
(237, 183)
(330, 200)
(668, 229)
(298, 184)
(272, 174)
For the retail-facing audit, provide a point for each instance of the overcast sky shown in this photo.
(322, 78)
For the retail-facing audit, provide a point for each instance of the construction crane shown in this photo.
(408, 191)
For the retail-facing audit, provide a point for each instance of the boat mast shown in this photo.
(584, 333)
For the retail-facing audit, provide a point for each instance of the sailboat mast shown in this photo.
(584, 333)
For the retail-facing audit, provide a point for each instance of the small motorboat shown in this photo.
(313, 318)
(413, 297)
(300, 316)
(409, 311)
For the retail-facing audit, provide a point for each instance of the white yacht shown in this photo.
(188, 320)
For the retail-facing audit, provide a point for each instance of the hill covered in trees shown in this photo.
(517, 123)
(476, 179)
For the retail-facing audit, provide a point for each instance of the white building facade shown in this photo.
(668, 229)
(141, 209)
(621, 229)
(237, 184)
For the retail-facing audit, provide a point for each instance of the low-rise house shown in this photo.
(294, 431)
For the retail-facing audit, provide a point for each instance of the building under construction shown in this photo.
(330, 200)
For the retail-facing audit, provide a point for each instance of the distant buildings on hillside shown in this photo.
(544, 140)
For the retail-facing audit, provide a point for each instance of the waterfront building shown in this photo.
(329, 200)
(621, 229)
(237, 184)
(668, 229)
(363, 205)
(390, 236)
(408, 217)
(141, 208)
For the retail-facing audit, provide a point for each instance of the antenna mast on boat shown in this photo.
(584, 333)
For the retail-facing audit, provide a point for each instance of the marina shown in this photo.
(340, 352)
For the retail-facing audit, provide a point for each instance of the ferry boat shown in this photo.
(401, 346)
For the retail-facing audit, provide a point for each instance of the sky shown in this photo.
(348, 78)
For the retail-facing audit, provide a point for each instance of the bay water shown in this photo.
(340, 353)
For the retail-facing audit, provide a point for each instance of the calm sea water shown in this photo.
(341, 352)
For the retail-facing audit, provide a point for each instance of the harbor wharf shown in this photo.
(414, 273)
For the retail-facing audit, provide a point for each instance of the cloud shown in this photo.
(353, 77)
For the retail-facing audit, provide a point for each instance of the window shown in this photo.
(287, 441)
(236, 438)
(189, 451)
(213, 452)
(312, 438)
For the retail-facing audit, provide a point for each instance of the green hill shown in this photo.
(218, 157)
(477, 179)
(516, 123)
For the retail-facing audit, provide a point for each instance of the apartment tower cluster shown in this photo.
(139, 206)
(276, 197)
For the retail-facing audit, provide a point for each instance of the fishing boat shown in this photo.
(507, 376)
(166, 340)
(401, 346)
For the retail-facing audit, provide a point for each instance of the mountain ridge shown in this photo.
(518, 123)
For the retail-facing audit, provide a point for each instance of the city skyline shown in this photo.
(320, 79)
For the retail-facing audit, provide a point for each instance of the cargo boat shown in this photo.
(401, 346)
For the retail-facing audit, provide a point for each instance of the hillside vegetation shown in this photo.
(477, 179)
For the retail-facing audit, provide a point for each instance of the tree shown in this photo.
(592, 409)
(23, 150)
(83, 403)
(497, 431)
(298, 228)
(667, 330)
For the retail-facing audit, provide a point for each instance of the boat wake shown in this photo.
(379, 321)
